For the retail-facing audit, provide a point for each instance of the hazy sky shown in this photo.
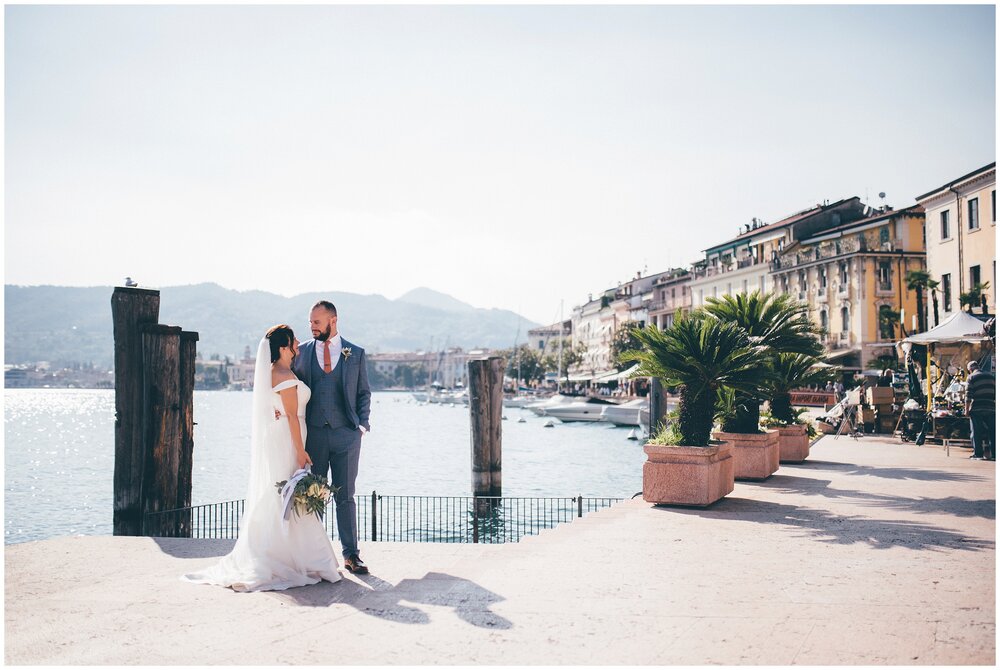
(510, 156)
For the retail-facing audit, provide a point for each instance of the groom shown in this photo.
(336, 416)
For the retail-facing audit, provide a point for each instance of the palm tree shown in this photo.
(699, 356)
(775, 322)
(790, 371)
(918, 280)
(932, 286)
(975, 296)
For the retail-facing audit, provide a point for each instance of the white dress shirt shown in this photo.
(336, 345)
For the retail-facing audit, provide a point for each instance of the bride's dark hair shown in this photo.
(279, 336)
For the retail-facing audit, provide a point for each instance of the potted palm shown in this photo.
(789, 371)
(776, 323)
(697, 355)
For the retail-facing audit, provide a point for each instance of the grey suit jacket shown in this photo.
(356, 389)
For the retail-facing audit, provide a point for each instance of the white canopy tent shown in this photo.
(959, 327)
(950, 341)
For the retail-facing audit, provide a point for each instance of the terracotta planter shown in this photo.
(794, 443)
(694, 476)
(756, 455)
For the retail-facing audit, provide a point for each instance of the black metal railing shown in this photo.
(401, 518)
(216, 520)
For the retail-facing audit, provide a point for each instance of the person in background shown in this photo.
(885, 379)
(980, 405)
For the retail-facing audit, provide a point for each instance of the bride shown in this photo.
(272, 553)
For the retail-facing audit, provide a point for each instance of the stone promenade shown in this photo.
(870, 552)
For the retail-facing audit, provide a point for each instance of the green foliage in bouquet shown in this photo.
(312, 495)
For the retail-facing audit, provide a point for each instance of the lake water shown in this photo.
(59, 456)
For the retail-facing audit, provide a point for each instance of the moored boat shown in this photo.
(583, 410)
(626, 414)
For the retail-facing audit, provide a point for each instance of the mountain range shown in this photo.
(66, 325)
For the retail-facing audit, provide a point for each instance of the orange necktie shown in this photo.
(327, 364)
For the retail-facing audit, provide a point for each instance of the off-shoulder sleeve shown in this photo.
(288, 383)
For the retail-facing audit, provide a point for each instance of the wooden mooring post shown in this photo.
(486, 414)
(657, 405)
(154, 427)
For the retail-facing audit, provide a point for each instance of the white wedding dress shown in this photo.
(271, 553)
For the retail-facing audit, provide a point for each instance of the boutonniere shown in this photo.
(345, 352)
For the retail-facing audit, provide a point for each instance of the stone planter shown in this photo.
(756, 455)
(793, 442)
(694, 476)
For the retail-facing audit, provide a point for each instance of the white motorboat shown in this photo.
(644, 419)
(626, 414)
(520, 400)
(558, 399)
(584, 410)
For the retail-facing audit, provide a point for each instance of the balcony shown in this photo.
(833, 249)
(841, 340)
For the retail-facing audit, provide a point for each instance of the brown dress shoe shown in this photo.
(355, 565)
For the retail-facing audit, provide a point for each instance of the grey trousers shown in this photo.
(338, 451)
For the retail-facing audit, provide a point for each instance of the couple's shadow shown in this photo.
(377, 597)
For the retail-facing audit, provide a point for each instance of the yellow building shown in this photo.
(961, 239)
(853, 277)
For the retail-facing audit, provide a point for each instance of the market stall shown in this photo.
(938, 358)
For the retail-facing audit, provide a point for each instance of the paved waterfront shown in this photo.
(870, 552)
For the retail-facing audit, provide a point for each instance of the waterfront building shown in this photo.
(743, 263)
(544, 340)
(592, 324)
(446, 367)
(961, 228)
(853, 277)
(671, 294)
(595, 323)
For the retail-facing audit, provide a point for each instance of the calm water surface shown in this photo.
(59, 456)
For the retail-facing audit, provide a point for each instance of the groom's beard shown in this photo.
(325, 335)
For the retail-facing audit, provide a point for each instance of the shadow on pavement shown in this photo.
(186, 548)
(917, 474)
(825, 526)
(952, 505)
(378, 598)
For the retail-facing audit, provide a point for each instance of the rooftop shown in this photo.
(974, 173)
(875, 217)
(778, 225)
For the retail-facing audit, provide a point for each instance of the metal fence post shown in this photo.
(579, 507)
(475, 520)
(374, 517)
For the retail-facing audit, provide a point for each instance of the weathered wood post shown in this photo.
(154, 424)
(131, 308)
(161, 355)
(189, 345)
(657, 405)
(486, 414)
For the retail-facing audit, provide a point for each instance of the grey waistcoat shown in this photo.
(327, 405)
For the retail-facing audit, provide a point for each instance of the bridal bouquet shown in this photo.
(306, 493)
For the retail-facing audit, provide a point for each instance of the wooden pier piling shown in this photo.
(154, 389)
(657, 405)
(486, 414)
